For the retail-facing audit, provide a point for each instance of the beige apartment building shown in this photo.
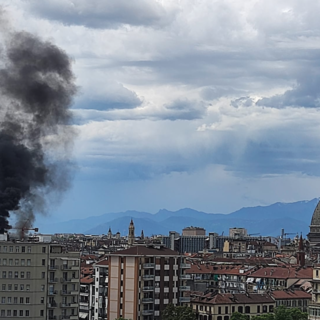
(38, 280)
(143, 280)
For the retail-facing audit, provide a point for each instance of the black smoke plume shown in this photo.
(36, 91)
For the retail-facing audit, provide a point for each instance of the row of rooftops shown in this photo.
(277, 272)
(246, 298)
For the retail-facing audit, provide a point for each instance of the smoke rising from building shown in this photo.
(36, 91)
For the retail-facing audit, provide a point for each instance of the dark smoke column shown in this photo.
(36, 90)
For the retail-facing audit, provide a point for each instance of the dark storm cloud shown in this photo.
(100, 14)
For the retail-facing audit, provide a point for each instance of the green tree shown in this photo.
(177, 313)
(283, 313)
(239, 316)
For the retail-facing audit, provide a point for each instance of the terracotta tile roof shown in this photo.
(229, 298)
(104, 262)
(86, 280)
(146, 251)
(288, 294)
(283, 273)
(221, 269)
(88, 270)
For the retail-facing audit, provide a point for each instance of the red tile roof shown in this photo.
(283, 273)
(290, 294)
(86, 280)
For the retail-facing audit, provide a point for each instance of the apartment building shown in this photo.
(314, 306)
(143, 280)
(39, 280)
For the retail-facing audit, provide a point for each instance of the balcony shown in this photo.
(51, 293)
(185, 277)
(148, 276)
(52, 317)
(74, 304)
(184, 299)
(53, 267)
(148, 265)
(185, 265)
(147, 288)
(52, 305)
(147, 300)
(184, 288)
(64, 305)
(65, 292)
(147, 312)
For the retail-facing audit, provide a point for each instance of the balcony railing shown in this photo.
(184, 288)
(185, 265)
(52, 280)
(148, 288)
(51, 293)
(148, 265)
(147, 300)
(184, 299)
(185, 277)
(64, 305)
(51, 317)
(148, 276)
(53, 267)
(147, 312)
(52, 305)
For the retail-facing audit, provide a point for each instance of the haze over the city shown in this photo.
(212, 105)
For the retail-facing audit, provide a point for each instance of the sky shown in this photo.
(206, 104)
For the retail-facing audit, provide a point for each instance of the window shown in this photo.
(264, 309)
(11, 249)
(23, 262)
(27, 300)
(22, 274)
(43, 262)
(28, 287)
(42, 287)
(16, 262)
(27, 313)
(29, 249)
(16, 274)
(21, 287)
(240, 309)
(10, 274)
(9, 299)
(3, 300)
(43, 249)
(3, 287)
(23, 249)
(247, 309)
(28, 275)
(28, 262)
(42, 300)
(317, 273)
(15, 287)
(9, 287)
(8, 313)
(3, 313)
(43, 275)
(17, 249)
(219, 310)
(4, 274)
(41, 313)
(4, 248)
(10, 262)
(21, 300)
(21, 313)
(15, 313)
(4, 262)
(15, 300)
(226, 310)
(258, 309)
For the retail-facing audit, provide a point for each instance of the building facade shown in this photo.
(38, 281)
(143, 280)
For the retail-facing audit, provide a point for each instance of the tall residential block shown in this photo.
(39, 280)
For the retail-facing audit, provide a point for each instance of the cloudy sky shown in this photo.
(212, 105)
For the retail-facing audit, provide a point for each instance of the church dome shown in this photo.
(315, 221)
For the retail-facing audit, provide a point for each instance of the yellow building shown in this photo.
(314, 307)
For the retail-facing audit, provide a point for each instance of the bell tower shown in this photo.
(131, 236)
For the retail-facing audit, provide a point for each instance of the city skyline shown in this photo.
(207, 105)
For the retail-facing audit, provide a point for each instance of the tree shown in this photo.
(283, 313)
(172, 312)
(239, 316)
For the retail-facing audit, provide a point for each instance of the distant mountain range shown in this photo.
(263, 220)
